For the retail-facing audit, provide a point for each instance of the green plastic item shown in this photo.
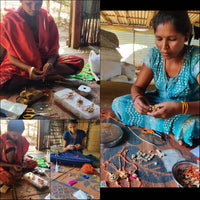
(83, 74)
(40, 162)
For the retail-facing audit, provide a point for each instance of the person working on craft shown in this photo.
(174, 66)
(30, 37)
(13, 147)
(73, 139)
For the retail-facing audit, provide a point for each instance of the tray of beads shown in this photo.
(77, 104)
(35, 180)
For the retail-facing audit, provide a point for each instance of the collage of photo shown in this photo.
(94, 99)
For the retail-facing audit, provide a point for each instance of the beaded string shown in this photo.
(121, 168)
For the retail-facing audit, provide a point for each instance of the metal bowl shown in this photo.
(180, 167)
(111, 135)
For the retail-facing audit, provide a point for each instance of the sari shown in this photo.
(20, 147)
(19, 41)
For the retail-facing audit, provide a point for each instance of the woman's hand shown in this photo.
(35, 74)
(141, 105)
(77, 146)
(69, 147)
(17, 168)
(166, 109)
(24, 164)
(47, 68)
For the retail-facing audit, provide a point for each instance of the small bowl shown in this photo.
(180, 167)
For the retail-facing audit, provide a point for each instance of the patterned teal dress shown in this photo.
(183, 87)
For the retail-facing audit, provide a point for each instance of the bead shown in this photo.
(113, 177)
(132, 156)
(134, 175)
(123, 175)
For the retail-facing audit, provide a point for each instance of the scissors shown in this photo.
(30, 113)
(153, 132)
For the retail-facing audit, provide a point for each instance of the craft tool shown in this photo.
(153, 132)
(30, 113)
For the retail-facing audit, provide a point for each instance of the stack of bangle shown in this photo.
(184, 107)
(138, 95)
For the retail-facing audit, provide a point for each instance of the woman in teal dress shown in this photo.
(175, 69)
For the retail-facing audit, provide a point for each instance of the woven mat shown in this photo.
(61, 189)
(24, 190)
(151, 173)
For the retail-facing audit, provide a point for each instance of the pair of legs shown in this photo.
(185, 128)
(65, 65)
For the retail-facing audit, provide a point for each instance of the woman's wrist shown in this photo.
(136, 96)
(184, 107)
(50, 64)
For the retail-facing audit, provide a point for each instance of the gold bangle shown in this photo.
(30, 71)
(185, 107)
(182, 111)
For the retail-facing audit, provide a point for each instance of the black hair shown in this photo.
(72, 121)
(179, 19)
(16, 125)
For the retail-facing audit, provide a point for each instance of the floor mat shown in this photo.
(60, 187)
(119, 158)
(24, 190)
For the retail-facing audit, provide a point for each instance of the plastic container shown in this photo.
(36, 180)
(94, 62)
(78, 109)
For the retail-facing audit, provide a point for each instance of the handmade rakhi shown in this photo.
(122, 173)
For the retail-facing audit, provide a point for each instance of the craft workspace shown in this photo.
(96, 100)
(62, 83)
(51, 170)
(75, 174)
(32, 181)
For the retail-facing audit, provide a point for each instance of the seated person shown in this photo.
(13, 147)
(73, 139)
(174, 106)
(30, 37)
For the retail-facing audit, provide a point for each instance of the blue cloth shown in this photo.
(183, 87)
(80, 134)
(75, 158)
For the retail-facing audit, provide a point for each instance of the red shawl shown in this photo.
(21, 148)
(18, 39)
